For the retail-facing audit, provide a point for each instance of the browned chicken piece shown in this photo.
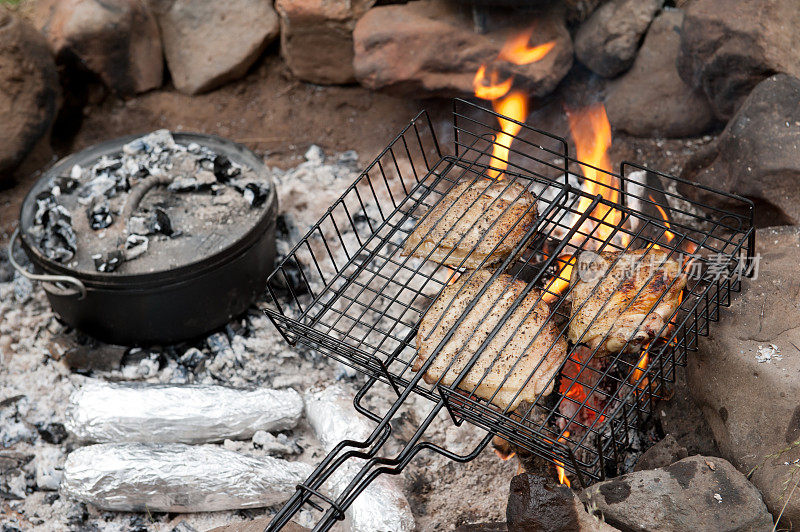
(624, 318)
(535, 366)
(462, 223)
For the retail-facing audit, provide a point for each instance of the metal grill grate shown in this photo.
(347, 290)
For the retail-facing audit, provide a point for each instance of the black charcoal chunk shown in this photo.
(224, 170)
(290, 280)
(53, 229)
(52, 432)
(99, 216)
(65, 184)
(136, 246)
(193, 359)
(255, 194)
(108, 262)
(163, 223)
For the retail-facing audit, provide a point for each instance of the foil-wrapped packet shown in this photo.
(139, 477)
(381, 507)
(164, 413)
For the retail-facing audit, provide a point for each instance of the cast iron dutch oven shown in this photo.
(163, 306)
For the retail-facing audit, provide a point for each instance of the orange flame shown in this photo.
(490, 88)
(518, 50)
(452, 274)
(669, 235)
(562, 475)
(513, 104)
(591, 132)
(640, 367)
(560, 282)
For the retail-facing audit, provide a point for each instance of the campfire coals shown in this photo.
(52, 229)
(103, 188)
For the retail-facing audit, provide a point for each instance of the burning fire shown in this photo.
(560, 282)
(562, 475)
(513, 104)
(591, 132)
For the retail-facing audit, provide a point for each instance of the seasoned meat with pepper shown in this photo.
(475, 220)
(516, 365)
(615, 298)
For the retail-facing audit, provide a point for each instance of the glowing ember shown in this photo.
(591, 132)
(452, 275)
(562, 475)
(513, 104)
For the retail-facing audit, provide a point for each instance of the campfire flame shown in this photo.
(562, 475)
(591, 132)
(513, 104)
(558, 284)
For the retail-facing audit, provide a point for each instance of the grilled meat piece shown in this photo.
(471, 220)
(535, 365)
(608, 310)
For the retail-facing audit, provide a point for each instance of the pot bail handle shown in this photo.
(48, 281)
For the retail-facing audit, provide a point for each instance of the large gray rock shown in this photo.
(666, 452)
(116, 39)
(651, 99)
(537, 505)
(729, 46)
(608, 40)
(752, 406)
(429, 48)
(696, 493)
(28, 90)
(758, 154)
(208, 43)
(317, 38)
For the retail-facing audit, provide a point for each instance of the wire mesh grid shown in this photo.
(355, 289)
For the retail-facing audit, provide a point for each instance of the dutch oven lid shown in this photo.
(185, 205)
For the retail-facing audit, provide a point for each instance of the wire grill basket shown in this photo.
(348, 290)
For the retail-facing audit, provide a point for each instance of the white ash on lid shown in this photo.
(138, 477)
(153, 413)
(176, 195)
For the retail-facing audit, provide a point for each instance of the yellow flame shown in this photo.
(490, 88)
(514, 105)
(518, 50)
(560, 282)
(562, 475)
(591, 132)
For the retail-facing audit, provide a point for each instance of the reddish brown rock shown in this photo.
(607, 42)
(757, 155)
(116, 39)
(729, 46)
(28, 90)
(651, 99)
(208, 43)
(317, 38)
(428, 48)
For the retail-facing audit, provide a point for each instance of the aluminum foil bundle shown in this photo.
(163, 413)
(138, 477)
(382, 507)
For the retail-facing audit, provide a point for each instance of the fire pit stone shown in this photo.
(696, 493)
(118, 41)
(28, 90)
(751, 401)
(651, 100)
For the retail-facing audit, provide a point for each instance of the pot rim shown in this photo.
(107, 280)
